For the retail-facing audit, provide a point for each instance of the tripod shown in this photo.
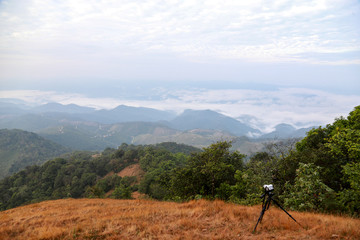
(266, 205)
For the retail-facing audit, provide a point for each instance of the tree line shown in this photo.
(319, 173)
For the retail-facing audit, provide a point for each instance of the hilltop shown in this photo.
(142, 219)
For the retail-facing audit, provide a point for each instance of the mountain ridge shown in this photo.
(84, 128)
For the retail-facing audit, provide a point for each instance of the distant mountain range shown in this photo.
(85, 128)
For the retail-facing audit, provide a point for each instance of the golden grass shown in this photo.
(143, 219)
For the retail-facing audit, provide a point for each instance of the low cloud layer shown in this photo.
(264, 109)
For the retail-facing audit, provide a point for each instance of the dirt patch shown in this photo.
(133, 170)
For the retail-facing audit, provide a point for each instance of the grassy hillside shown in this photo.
(141, 219)
(19, 149)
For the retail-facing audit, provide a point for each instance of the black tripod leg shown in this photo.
(260, 218)
(265, 207)
(286, 212)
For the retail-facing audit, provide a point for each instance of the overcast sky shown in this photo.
(295, 61)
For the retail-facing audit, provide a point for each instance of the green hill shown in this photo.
(19, 149)
(85, 174)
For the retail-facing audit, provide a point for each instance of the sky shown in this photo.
(293, 61)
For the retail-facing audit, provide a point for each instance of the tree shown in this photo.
(313, 149)
(350, 198)
(344, 142)
(159, 165)
(248, 187)
(122, 192)
(249, 181)
(308, 193)
(207, 171)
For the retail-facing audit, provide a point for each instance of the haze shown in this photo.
(268, 61)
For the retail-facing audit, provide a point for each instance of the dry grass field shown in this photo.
(142, 219)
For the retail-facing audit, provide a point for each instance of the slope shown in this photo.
(140, 219)
(19, 149)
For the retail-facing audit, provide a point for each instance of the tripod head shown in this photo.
(268, 190)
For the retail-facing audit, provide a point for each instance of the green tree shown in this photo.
(207, 171)
(248, 187)
(159, 165)
(308, 193)
(344, 142)
(122, 192)
(350, 198)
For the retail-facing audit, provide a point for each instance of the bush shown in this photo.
(122, 192)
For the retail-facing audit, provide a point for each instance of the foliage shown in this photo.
(88, 174)
(332, 153)
(103, 186)
(345, 139)
(208, 172)
(350, 198)
(159, 165)
(177, 148)
(58, 178)
(308, 193)
(124, 189)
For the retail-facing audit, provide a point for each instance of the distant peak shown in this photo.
(284, 126)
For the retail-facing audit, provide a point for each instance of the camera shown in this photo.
(268, 188)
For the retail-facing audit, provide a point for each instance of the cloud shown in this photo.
(195, 30)
(296, 106)
(300, 107)
(98, 44)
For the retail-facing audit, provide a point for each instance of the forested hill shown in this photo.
(85, 174)
(19, 149)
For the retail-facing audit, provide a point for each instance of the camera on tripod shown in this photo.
(267, 197)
